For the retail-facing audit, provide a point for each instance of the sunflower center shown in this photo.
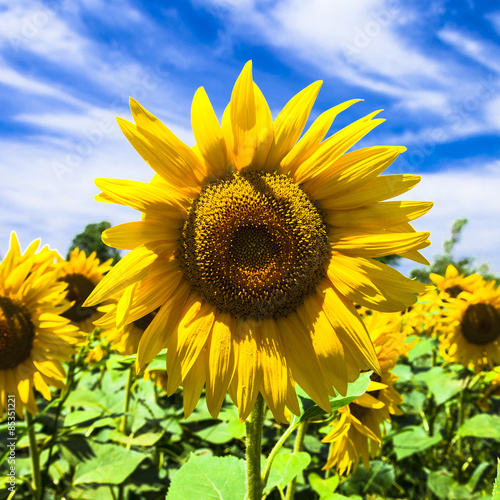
(16, 333)
(481, 323)
(454, 291)
(254, 245)
(79, 288)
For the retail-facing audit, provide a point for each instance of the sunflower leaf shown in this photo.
(481, 426)
(209, 477)
(310, 410)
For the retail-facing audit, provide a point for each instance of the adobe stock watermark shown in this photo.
(94, 137)
(363, 36)
(34, 22)
(486, 89)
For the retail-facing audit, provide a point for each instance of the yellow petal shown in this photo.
(130, 235)
(379, 215)
(311, 140)
(349, 327)
(251, 122)
(376, 244)
(379, 189)
(247, 377)
(156, 335)
(334, 147)
(193, 383)
(350, 171)
(179, 172)
(130, 269)
(221, 363)
(290, 123)
(372, 284)
(274, 368)
(208, 134)
(190, 337)
(326, 344)
(303, 361)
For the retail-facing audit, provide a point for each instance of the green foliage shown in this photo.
(90, 241)
(209, 477)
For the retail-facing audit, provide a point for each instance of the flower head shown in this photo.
(470, 328)
(357, 433)
(34, 335)
(253, 245)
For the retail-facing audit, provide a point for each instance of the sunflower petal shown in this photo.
(208, 134)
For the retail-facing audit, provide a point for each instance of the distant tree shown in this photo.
(390, 260)
(90, 241)
(464, 265)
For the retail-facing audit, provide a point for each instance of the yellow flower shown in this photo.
(357, 434)
(253, 244)
(34, 336)
(452, 283)
(471, 328)
(82, 274)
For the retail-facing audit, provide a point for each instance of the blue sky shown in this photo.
(67, 68)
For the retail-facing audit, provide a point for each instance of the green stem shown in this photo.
(253, 426)
(62, 399)
(126, 405)
(299, 441)
(274, 452)
(35, 457)
(460, 419)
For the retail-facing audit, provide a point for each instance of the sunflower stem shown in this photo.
(253, 426)
(274, 452)
(35, 457)
(299, 441)
(126, 404)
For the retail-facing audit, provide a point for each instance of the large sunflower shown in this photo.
(82, 273)
(471, 328)
(253, 244)
(358, 432)
(34, 336)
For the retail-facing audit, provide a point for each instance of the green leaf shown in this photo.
(147, 439)
(481, 426)
(496, 486)
(216, 434)
(80, 417)
(442, 383)
(424, 347)
(110, 464)
(310, 410)
(440, 483)
(203, 477)
(413, 440)
(325, 488)
(286, 466)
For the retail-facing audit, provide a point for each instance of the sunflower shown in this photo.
(452, 283)
(358, 431)
(82, 274)
(470, 328)
(253, 245)
(34, 336)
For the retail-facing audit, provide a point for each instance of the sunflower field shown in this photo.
(255, 342)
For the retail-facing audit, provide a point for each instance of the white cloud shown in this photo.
(471, 193)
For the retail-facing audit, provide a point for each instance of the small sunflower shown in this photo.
(357, 434)
(453, 283)
(471, 328)
(34, 336)
(82, 274)
(254, 243)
